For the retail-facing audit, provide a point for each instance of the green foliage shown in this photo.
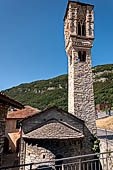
(96, 143)
(103, 92)
(101, 68)
(45, 93)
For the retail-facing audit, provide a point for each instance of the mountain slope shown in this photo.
(44, 93)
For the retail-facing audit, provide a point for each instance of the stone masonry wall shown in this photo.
(47, 150)
(3, 112)
(83, 90)
(33, 123)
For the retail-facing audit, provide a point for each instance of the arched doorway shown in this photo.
(58, 164)
(6, 145)
(18, 145)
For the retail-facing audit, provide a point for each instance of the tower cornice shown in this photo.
(78, 3)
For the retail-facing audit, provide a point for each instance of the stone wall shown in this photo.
(3, 113)
(83, 90)
(35, 121)
(106, 146)
(46, 150)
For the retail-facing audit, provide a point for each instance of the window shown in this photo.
(70, 60)
(81, 56)
(90, 30)
(44, 156)
(17, 124)
(84, 56)
(81, 28)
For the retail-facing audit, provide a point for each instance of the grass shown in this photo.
(105, 123)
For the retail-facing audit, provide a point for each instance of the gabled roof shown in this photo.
(54, 129)
(10, 101)
(23, 113)
(49, 109)
(79, 3)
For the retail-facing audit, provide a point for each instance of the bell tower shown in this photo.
(79, 36)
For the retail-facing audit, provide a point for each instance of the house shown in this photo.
(5, 103)
(12, 135)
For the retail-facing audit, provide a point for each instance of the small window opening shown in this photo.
(90, 32)
(17, 124)
(44, 156)
(81, 56)
(84, 56)
(70, 59)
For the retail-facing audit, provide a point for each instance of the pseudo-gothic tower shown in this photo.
(79, 36)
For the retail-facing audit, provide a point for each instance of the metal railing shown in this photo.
(100, 161)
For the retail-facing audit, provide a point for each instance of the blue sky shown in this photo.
(32, 39)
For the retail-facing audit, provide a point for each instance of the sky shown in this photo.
(32, 43)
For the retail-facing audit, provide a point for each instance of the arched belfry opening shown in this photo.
(81, 29)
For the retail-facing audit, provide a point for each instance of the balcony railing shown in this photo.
(100, 161)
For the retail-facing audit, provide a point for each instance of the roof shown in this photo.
(21, 114)
(79, 3)
(10, 101)
(51, 108)
(54, 129)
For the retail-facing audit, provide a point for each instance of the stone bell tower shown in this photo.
(79, 36)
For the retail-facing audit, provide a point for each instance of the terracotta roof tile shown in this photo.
(21, 114)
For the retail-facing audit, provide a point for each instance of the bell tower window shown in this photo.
(81, 56)
(81, 28)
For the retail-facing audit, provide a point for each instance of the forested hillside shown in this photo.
(45, 93)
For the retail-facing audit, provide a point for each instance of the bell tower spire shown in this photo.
(79, 36)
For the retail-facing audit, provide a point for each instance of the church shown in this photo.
(54, 133)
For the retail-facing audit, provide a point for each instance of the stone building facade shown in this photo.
(5, 103)
(51, 134)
